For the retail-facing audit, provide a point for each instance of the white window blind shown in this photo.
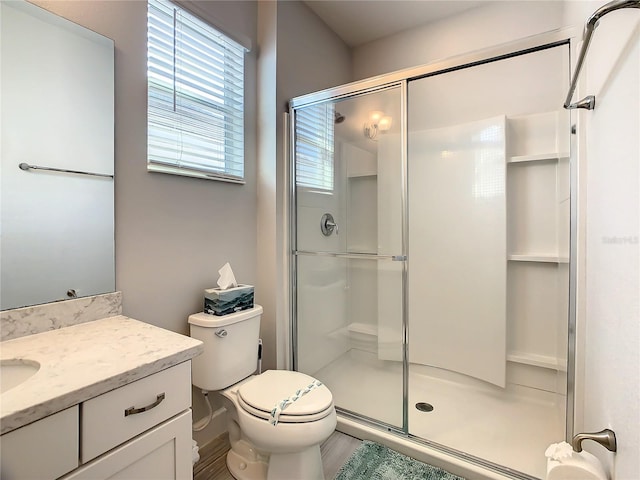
(195, 116)
(314, 146)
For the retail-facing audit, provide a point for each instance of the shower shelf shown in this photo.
(362, 174)
(538, 157)
(543, 361)
(363, 329)
(537, 258)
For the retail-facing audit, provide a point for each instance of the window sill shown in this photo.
(194, 174)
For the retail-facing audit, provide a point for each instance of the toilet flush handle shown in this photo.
(221, 333)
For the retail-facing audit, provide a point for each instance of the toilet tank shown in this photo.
(230, 347)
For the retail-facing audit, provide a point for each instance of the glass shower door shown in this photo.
(348, 251)
(488, 195)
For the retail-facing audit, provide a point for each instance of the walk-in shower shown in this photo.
(431, 251)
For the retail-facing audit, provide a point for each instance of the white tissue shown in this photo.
(558, 451)
(227, 278)
(565, 464)
(195, 456)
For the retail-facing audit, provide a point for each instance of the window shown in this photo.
(314, 147)
(195, 118)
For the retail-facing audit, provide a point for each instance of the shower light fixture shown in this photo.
(378, 122)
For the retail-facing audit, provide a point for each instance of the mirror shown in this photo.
(57, 112)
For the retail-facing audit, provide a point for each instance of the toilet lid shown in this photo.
(259, 396)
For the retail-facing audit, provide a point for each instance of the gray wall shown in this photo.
(305, 56)
(172, 233)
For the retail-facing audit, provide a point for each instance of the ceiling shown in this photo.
(361, 21)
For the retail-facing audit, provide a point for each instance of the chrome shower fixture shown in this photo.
(589, 102)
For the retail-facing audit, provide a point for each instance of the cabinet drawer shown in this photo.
(116, 416)
(45, 449)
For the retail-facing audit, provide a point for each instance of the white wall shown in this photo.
(482, 27)
(610, 352)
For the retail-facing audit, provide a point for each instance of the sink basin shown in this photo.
(16, 371)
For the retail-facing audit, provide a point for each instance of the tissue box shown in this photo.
(222, 302)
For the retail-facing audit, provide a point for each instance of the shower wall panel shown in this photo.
(322, 302)
(458, 247)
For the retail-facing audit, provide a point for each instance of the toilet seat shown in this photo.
(259, 396)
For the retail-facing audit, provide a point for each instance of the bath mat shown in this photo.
(372, 461)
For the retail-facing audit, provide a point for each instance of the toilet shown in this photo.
(267, 441)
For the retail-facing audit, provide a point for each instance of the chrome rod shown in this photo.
(404, 132)
(366, 256)
(590, 101)
(26, 167)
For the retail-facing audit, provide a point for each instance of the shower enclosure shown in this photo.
(430, 250)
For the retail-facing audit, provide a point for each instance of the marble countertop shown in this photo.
(86, 360)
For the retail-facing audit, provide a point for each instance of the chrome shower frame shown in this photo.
(565, 36)
(589, 102)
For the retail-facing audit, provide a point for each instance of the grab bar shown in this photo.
(26, 167)
(589, 102)
(353, 255)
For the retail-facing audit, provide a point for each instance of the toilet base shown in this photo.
(305, 465)
(242, 469)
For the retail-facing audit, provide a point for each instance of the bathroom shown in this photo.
(166, 253)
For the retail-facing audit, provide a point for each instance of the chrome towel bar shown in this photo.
(26, 167)
(589, 102)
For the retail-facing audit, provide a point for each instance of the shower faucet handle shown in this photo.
(332, 225)
(328, 225)
(606, 438)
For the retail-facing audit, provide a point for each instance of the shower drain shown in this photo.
(424, 406)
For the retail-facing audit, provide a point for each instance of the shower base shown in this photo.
(511, 427)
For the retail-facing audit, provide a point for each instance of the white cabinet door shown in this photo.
(45, 449)
(159, 454)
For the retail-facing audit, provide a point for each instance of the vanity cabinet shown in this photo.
(141, 430)
(123, 403)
